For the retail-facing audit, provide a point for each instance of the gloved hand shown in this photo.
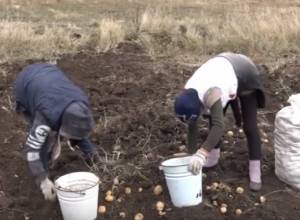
(48, 189)
(197, 161)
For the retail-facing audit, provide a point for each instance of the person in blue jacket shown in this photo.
(53, 106)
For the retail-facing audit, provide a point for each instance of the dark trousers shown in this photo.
(249, 115)
(248, 104)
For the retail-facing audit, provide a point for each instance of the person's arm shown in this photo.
(35, 147)
(36, 151)
(217, 126)
(192, 136)
(90, 155)
(85, 145)
(212, 100)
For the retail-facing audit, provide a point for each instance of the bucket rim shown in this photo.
(181, 165)
(62, 189)
(59, 188)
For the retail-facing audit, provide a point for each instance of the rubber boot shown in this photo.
(212, 158)
(255, 175)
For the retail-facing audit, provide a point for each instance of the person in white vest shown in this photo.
(226, 79)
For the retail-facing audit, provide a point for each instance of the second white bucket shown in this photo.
(185, 188)
(78, 195)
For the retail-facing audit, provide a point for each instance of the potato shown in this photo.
(214, 186)
(109, 192)
(157, 190)
(139, 216)
(215, 203)
(222, 186)
(208, 187)
(109, 198)
(127, 190)
(238, 211)
(262, 199)
(224, 205)
(230, 133)
(160, 206)
(161, 213)
(239, 190)
(223, 210)
(101, 209)
(182, 148)
(265, 140)
(122, 214)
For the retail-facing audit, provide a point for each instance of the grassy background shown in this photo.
(190, 29)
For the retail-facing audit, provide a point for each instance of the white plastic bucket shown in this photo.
(184, 188)
(78, 195)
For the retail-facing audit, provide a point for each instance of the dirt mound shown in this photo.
(132, 98)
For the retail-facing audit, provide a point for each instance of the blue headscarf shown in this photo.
(188, 105)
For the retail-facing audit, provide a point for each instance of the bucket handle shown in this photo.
(160, 167)
(67, 190)
(77, 192)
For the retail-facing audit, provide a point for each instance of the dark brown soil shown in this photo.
(132, 98)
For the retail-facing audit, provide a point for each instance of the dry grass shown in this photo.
(245, 29)
(27, 40)
(108, 34)
(192, 28)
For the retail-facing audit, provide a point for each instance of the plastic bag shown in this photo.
(294, 100)
(287, 142)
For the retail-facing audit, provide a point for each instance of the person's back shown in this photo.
(44, 87)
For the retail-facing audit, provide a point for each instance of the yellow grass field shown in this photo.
(191, 29)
